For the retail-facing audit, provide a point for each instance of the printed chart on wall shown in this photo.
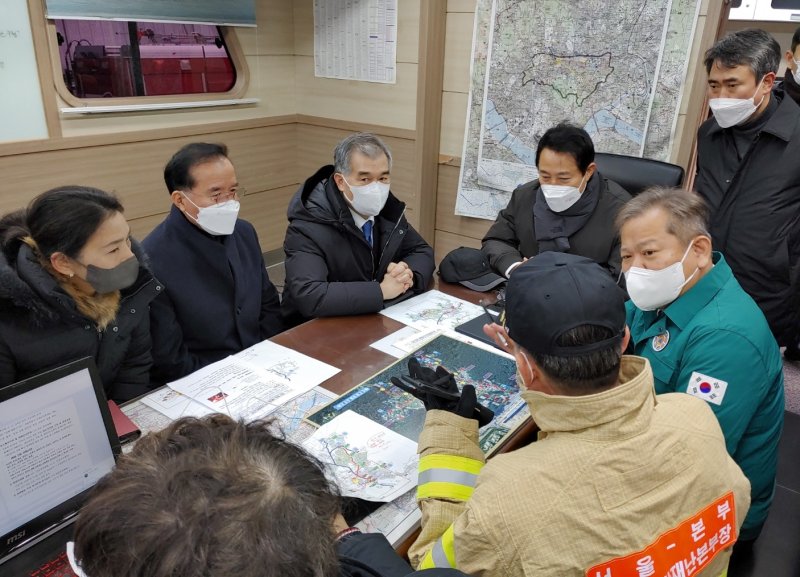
(492, 375)
(356, 40)
(616, 69)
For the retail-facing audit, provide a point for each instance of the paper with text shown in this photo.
(356, 40)
(287, 364)
(239, 389)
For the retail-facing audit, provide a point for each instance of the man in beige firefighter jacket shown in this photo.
(620, 482)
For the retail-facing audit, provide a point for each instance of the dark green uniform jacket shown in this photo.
(714, 343)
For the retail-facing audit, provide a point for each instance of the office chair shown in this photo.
(635, 174)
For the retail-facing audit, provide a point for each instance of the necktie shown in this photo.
(367, 229)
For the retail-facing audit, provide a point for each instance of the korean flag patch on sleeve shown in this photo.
(707, 388)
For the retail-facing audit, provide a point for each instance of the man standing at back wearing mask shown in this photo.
(703, 334)
(569, 208)
(791, 78)
(218, 298)
(748, 172)
(349, 248)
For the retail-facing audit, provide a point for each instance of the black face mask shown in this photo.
(107, 280)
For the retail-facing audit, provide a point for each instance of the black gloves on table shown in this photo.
(442, 393)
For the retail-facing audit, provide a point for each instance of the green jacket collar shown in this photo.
(685, 307)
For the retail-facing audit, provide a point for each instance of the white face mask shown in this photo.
(796, 71)
(217, 219)
(655, 289)
(732, 111)
(368, 200)
(559, 197)
(520, 384)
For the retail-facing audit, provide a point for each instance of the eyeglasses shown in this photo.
(223, 195)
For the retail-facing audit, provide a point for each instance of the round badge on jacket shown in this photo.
(660, 341)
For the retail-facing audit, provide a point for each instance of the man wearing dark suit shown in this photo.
(218, 298)
(349, 248)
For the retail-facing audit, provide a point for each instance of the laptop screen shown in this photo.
(56, 442)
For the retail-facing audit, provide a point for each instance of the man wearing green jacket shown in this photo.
(702, 333)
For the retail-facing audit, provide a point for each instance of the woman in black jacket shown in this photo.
(73, 284)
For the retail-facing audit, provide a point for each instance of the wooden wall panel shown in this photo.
(432, 28)
(141, 227)
(454, 120)
(368, 102)
(267, 211)
(446, 241)
(458, 51)
(461, 5)
(264, 158)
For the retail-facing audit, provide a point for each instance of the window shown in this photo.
(111, 59)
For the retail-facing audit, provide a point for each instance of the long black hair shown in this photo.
(59, 220)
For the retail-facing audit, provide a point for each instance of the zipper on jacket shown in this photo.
(388, 239)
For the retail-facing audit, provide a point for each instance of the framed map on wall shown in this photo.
(616, 69)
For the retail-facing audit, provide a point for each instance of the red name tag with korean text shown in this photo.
(682, 551)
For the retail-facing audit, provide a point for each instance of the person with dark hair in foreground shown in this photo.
(569, 208)
(215, 497)
(74, 284)
(218, 299)
(619, 483)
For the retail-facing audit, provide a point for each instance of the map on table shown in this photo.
(616, 69)
(396, 519)
(492, 375)
(291, 416)
(367, 460)
(287, 363)
(433, 309)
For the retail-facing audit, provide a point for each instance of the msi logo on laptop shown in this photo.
(16, 537)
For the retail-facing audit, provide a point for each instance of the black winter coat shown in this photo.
(218, 299)
(41, 328)
(371, 555)
(512, 235)
(755, 212)
(330, 268)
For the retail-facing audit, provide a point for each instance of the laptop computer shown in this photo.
(57, 439)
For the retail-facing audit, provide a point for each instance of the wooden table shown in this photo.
(344, 341)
